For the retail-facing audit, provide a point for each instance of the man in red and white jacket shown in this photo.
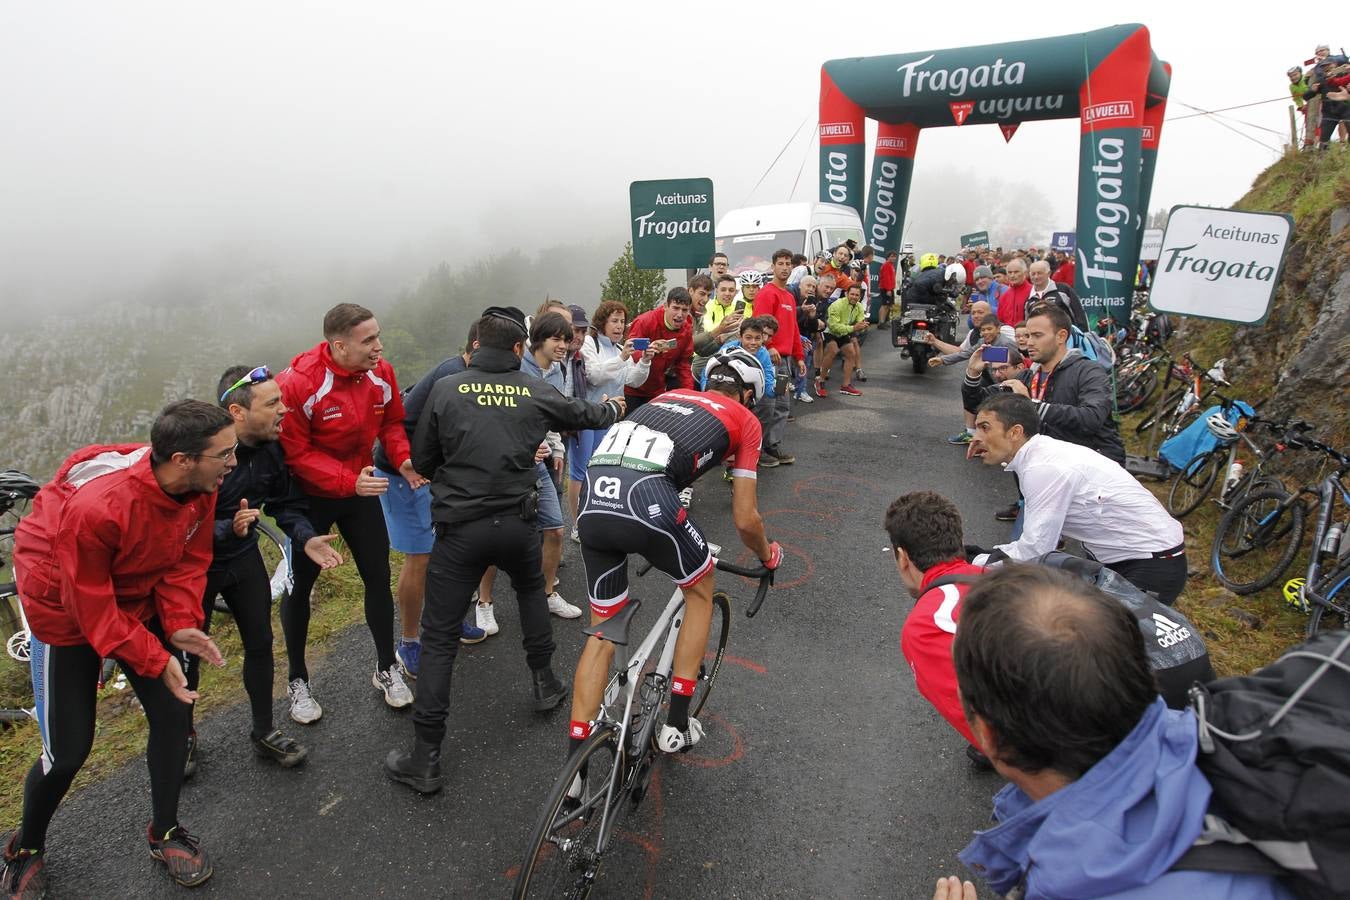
(111, 562)
(671, 332)
(343, 395)
(926, 537)
(789, 357)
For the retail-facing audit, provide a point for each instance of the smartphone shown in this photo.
(641, 343)
(996, 354)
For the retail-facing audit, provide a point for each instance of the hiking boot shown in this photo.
(561, 608)
(546, 689)
(419, 770)
(190, 763)
(304, 708)
(24, 872)
(784, 458)
(672, 740)
(850, 390)
(1009, 514)
(409, 656)
(282, 750)
(395, 689)
(961, 438)
(181, 854)
(487, 619)
(767, 460)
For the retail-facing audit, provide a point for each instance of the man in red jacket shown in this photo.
(927, 539)
(785, 349)
(343, 395)
(671, 333)
(1012, 305)
(111, 562)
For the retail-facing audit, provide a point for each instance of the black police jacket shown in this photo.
(926, 287)
(478, 434)
(259, 476)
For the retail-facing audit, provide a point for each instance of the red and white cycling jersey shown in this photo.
(684, 433)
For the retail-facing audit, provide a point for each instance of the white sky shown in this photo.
(136, 131)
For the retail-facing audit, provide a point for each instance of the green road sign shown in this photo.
(672, 222)
(975, 239)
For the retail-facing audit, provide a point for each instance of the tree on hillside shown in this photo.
(637, 289)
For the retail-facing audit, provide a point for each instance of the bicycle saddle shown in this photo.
(615, 628)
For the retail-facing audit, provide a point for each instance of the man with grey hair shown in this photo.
(809, 325)
(1041, 286)
(1012, 305)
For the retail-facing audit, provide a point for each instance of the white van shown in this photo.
(749, 236)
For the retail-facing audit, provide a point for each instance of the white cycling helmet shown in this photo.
(1221, 428)
(750, 277)
(955, 272)
(748, 372)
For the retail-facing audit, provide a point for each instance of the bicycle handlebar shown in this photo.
(763, 573)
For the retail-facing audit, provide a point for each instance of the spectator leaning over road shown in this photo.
(1072, 394)
(344, 395)
(111, 563)
(549, 336)
(671, 348)
(258, 483)
(1071, 491)
(1042, 288)
(1012, 304)
(407, 516)
(786, 349)
(845, 321)
(927, 541)
(477, 441)
(1105, 796)
(989, 334)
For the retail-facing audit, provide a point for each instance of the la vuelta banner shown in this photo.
(892, 170)
(841, 146)
(1111, 103)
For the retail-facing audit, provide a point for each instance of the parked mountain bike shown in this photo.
(1195, 481)
(614, 765)
(1260, 536)
(1185, 402)
(16, 490)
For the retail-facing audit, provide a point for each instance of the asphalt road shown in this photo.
(823, 774)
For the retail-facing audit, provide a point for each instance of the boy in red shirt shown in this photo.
(785, 348)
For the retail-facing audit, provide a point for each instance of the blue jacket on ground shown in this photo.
(1196, 438)
(1116, 831)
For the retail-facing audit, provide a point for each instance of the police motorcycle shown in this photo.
(928, 306)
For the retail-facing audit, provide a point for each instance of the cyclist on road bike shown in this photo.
(632, 506)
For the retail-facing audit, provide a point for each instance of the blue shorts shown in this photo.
(579, 451)
(407, 514)
(550, 510)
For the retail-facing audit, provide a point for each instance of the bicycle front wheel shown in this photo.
(1193, 483)
(1332, 608)
(719, 629)
(1134, 391)
(1257, 540)
(564, 853)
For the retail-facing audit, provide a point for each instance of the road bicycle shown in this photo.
(16, 490)
(614, 766)
(1260, 536)
(1192, 484)
(1185, 402)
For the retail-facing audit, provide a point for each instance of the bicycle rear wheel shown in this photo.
(1135, 390)
(1332, 609)
(1168, 406)
(562, 858)
(1257, 540)
(1193, 483)
(719, 629)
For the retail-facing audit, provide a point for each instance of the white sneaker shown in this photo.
(672, 740)
(561, 608)
(576, 535)
(487, 619)
(304, 708)
(396, 692)
(804, 397)
(686, 496)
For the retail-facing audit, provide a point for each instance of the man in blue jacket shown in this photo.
(1105, 796)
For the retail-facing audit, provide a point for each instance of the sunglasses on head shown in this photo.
(256, 376)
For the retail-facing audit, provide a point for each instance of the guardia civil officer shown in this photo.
(476, 440)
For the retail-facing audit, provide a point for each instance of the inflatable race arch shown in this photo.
(1110, 79)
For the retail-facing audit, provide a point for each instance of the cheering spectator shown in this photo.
(1012, 305)
(671, 348)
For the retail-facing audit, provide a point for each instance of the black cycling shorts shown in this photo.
(843, 340)
(624, 512)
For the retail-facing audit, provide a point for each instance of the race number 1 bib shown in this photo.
(634, 446)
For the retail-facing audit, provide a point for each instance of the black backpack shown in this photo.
(1275, 746)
